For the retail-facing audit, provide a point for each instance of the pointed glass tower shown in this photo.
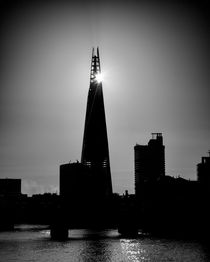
(95, 151)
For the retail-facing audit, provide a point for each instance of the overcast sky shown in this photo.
(155, 59)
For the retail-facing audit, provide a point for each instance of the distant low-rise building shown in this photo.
(203, 170)
(10, 187)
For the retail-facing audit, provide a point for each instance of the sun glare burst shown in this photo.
(99, 77)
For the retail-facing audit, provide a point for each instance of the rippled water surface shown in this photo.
(33, 243)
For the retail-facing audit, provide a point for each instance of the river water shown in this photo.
(33, 244)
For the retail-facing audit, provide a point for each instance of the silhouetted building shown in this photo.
(10, 193)
(203, 170)
(75, 191)
(10, 187)
(170, 205)
(75, 181)
(82, 205)
(95, 151)
(149, 161)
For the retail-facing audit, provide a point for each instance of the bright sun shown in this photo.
(99, 77)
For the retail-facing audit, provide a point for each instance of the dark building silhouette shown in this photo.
(170, 206)
(10, 187)
(86, 187)
(10, 193)
(82, 205)
(203, 170)
(95, 151)
(149, 161)
(166, 205)
(75, 182)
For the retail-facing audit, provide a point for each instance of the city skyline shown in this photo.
(155, 60)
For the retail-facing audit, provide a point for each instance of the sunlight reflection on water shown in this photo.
(28, 244)
(133, 250)
(154, 249)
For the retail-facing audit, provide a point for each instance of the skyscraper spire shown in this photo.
(95, 66)
(95, 151)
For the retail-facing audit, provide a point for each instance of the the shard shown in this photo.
(95, 150)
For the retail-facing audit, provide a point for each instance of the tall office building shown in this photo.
(149, 161)
(95, 151)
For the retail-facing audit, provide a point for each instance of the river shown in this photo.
(30, 243)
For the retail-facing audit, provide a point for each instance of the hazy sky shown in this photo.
(155, 58)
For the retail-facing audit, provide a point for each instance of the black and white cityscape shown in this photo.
(161, 204)
(133, 164)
